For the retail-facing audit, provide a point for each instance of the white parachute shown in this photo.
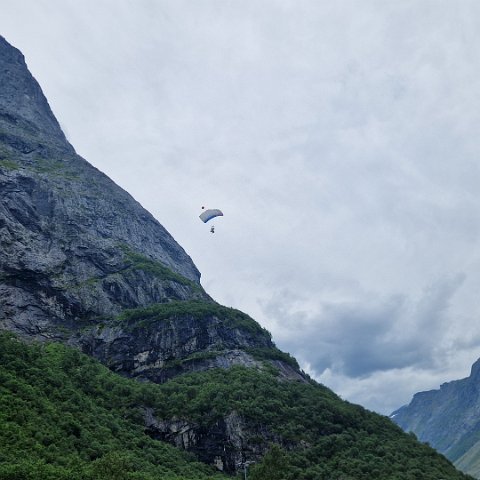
(209, 214)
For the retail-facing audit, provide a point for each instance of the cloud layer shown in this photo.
(340, 139)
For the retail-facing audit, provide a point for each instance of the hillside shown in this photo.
(65, 416)
(448, 419)
(84, 268)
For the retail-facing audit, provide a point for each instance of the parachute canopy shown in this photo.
(209, 214)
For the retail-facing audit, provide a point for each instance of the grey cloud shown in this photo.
(341, 140)
(357, 339)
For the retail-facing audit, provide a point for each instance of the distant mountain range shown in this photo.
(449, 420)
(115, 362)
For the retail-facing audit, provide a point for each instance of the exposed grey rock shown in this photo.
(66, 229)
(163, 349)
(23, 105)
(447, 418)
(227, 443)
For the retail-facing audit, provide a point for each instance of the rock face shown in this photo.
(23, 105)
(75, 246)
(159, 349)
(227, 441)
(83, 263)
(448, 419)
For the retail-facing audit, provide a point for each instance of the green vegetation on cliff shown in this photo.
(195, 308)
(137, 261)
(8, 164)
(65, 416)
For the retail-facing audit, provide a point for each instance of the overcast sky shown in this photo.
(341, 140)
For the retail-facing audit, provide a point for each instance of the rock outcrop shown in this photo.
(226, 444)
(74, 245)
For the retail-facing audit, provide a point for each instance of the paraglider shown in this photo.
(209, 214)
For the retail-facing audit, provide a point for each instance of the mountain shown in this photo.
(80, 257)
(85, 270)
(449, 420)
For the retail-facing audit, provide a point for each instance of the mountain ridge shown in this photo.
(448, 418)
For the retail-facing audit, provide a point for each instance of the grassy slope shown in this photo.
(65, 416)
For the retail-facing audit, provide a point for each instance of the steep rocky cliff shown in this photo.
(77, 250)
(75, 246)
(448, 419)
(82, 263)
